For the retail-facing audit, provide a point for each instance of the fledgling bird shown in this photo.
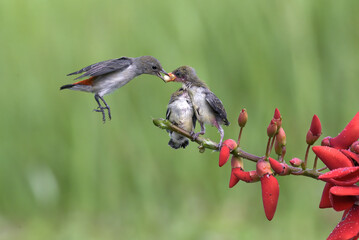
(207, 106)
(180, 113)
(106, 76)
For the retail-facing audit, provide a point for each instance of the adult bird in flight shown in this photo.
(107, 76)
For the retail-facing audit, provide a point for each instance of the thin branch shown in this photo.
(238, 152)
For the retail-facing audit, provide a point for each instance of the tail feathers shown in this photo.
(88, 81)
(67, 86)
(226, 122)
(178, 144)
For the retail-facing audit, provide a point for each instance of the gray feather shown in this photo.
(104, 67)
(217, 106)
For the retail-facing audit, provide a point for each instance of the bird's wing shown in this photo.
(168, 113)
(104, 67)
(217, 106)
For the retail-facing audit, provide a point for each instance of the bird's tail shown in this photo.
(178, 141)
(226, 122)
(178, 144)
(82, 83)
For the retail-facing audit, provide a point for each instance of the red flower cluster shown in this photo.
(263, 172)
(341, 156)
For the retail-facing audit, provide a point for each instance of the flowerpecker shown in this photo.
(207, 106)
(180, 113)
(105, 77)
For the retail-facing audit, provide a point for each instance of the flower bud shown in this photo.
(230, 143)
(236, 162)
(243, 117)
(295, 162)
(224, 155)
(263, 167)
(272, 128)
(227, 146)
(279, 168)
(248, 177)
(326, 141)
(270, 194)
(233, 179)
(355, 147)
(277, 118)
(315, 131)
(277, 148)
(281, 137)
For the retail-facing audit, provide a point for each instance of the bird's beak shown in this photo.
(165, 75)
(169, 77)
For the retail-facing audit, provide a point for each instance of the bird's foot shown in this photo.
(196, 135)
(102, 110)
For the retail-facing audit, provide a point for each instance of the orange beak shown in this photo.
(170, 77)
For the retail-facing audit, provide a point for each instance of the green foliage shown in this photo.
(65, 175)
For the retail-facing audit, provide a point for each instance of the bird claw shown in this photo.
(102, 110)
(196, 135)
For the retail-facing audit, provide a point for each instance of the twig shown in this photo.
(238, 152)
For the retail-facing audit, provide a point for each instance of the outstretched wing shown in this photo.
(104, 67)
(217, 106)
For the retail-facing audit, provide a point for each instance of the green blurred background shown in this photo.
(66, 175)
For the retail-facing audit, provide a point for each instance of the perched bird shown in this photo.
(180, 113)
(207, 106)
(105, 77)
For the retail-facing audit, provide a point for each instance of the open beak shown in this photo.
(165, 75)
(169, 77)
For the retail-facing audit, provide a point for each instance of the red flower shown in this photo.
(227, 146)
(279, 168)
(224, 155)
(340, 191)
(270, 194)
(348, 228)
(332, 157)
(270, 188)
(354, 157)
(342, 176)
(325, 200)
(233, 179)
(248, 177)
(349, 135)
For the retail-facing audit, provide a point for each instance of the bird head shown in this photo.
(184, 74)
(150, 65)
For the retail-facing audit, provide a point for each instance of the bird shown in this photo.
(180, 113)
(107, 76)
(207, 106)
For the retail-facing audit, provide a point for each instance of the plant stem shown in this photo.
(304, 165)
(239, 136)
(238, 152)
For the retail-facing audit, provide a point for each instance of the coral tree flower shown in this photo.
(270, 188)
(348, 228)
(227, 146)
(349, 135)
(341, 191)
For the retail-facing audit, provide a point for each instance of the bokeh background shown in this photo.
(66, 175)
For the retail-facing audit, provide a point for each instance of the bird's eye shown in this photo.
(154, 67)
